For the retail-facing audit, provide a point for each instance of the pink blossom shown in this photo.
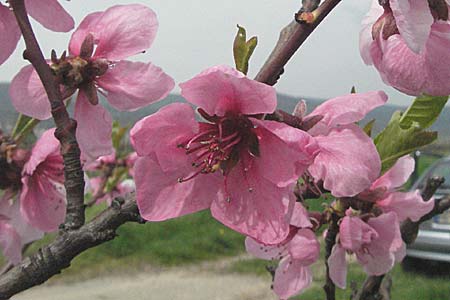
(97, 50)
(236, 164)
(348, 161)
(384, 192)
(376, 243)
(296, 253)
(47, 12)
(15, 232)
(42, 199)
(407, 41)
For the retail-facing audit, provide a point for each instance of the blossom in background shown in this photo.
(235, 163)
(348, 161)
(43, 197)
(97, 51)
(404, 204)
(376, 243)
(408, 41)
(47, 12)
(296, 253)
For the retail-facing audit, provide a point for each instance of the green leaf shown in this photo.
(118, 133)
(424, 111)
(243, 49)
(21, 122)
(369, 126)
(394, 141)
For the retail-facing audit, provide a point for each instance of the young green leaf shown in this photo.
(423, 111)
(368, 127)
(394, 141)
(243, 49)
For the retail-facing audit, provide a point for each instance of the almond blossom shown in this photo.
(47, 12)
(296, 253)
(408, 41)
(376, 243)
(233, 162)
(43, 198)
(96, 62)
(348, 161)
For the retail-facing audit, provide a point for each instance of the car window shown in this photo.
(441, 170)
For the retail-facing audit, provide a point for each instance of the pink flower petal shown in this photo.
(268, 252)
(406, 205)
(50, 14)
(348, 109)
(396, 176)
(163, 197)
(354, 233)
(10, 243)
(119, 32)
(283, 158)
(300, 217)
(252, 205)
(348, 162)
(222, 89)
(163, 131)
(304, 247)
(365, 36)
(94, 128)
(291, 278)
(28, 95)
(10, 33)
(414, 20)
(47, 145)
(338, 266)
(133, 85)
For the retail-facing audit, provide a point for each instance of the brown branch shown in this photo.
(374, 288)
(51, 259)
(330, 241)
(65, 126)
(291, 38)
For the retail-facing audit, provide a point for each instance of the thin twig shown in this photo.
(65, 126)
(330, 241)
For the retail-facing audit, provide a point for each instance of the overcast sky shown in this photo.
(196, 34)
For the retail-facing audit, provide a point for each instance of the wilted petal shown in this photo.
(119, 32)
(291, 278)
(163, 197)
(406, 205)
(50, 14)
(338, 266)
(348, 109)
(222, 89)
(396, 176)
(413, 19)
(94, 128)
(348, 161)
(10, 33)
(28, 95)
(133, 85)
(253, 205)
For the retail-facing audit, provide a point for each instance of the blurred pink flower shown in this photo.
(408, 41)
(235, 163)
(43, 197)
(405, 204)
(376, 243)
(296, 253)
(348, 161)
(47, 12)
(97, 50)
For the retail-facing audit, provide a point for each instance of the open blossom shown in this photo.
(376, 243)
(43, 197)
(97, 51)
(235, 163)
(47, 12)
(384, 192)
(15, 232)
(408, 41)
(348, 161)
(295, 254)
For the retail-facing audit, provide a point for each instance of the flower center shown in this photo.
(218, 144)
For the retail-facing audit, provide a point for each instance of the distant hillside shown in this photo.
(285, 102)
